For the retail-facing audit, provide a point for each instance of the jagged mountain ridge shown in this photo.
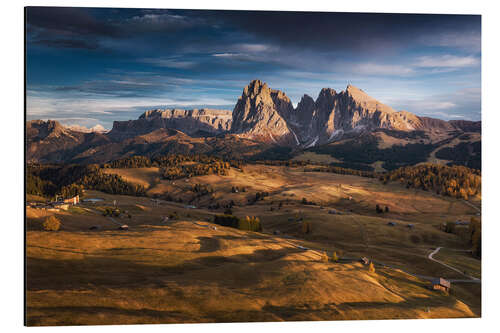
(206, 121)
(261, 113)
(264, 124)
(267, 115)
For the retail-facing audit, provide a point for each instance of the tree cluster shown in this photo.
(343, 171)
(455, 181)
(258, 196)
(306, 227)
(236, 189)
(202, 189)
(176, 166)
(248, 223)
(69, 180)
(475, 236)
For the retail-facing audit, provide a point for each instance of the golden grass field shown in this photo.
(185, 271)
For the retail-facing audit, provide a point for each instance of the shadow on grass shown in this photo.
(141, 315)
(112, 271)
(209, 244)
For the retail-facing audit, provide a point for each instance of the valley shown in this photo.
(185, 268)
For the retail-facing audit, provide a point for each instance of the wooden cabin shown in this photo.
(75, 200)
(440, 284)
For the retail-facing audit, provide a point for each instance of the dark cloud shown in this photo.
(347, 31)
(70, 21)
(69, 43)
(123, 60)
(319, 31)
(87, 28)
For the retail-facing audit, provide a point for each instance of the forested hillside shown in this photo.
(455, 181)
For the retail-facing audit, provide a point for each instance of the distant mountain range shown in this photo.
(263, 120)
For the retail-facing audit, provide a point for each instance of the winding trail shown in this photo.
(431, 257)
(468, 203)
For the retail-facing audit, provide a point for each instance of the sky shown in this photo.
(90, 66)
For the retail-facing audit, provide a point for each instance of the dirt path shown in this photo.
(468, 203)
(431, 255)
(114, 221)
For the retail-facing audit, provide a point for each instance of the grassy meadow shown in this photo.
(173, 265)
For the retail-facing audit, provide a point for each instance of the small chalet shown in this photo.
(365, 261)
(441, 284)
(75, 200)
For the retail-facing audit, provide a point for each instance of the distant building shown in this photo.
(75, 200)
(392, 224)
(365, 261)
(440, 284)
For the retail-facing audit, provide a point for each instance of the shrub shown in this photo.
(371, 268)
(228, 211)
(51, 223)
(227, 220)
(335, 258)
(306, 227)
(250, 224)
(324, 257)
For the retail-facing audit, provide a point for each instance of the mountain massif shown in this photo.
(263, 120)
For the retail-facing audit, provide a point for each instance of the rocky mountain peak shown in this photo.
(306, 103)
(43, 129)
(327, 93)
(362, 99)
(254, 88)
(260, 113)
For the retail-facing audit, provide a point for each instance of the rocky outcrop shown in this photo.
(203, 122)
(262, 118)
(50, 141)
(261, 113)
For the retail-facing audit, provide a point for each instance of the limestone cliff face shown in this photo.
(260, 114)
(353, 111)
(267, 115)
(191, 122)
(47, 140)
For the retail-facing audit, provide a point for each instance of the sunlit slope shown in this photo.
(187, 272)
